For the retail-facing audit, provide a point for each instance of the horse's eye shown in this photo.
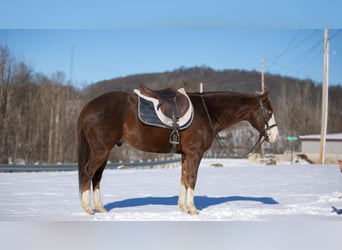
(270, 112)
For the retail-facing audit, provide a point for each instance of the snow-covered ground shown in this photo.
(238, 191)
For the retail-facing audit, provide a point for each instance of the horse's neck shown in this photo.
(227, 109)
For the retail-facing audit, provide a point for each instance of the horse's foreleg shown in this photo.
(182, 199)
(188, 181)
(184, 185)
(186, 200)
(190, 203)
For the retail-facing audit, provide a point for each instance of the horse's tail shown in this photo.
(83, 157)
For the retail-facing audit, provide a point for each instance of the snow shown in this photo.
(238, 191)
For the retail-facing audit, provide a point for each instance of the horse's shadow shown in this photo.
(201, 202)
(337, 211)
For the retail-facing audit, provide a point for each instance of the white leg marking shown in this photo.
(182, 199)
(86, 202)
(98, 202)
(190, 201)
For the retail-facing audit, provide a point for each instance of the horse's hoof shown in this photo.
(193, 211)
(101, 210)
(88, 210)
(183, 209)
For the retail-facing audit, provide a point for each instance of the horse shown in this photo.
(111, 119)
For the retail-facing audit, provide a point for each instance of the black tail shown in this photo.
(83, 157)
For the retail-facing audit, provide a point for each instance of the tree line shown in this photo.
(38, 113)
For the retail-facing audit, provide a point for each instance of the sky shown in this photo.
(92, 42)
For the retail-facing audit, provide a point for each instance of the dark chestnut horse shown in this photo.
(111, 119)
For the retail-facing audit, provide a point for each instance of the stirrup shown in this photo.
(174, 137)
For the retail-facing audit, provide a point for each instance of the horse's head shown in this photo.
(262, 119)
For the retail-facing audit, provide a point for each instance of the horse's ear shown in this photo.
(264, 95)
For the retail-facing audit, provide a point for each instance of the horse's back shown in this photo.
(109, 99)
(106, 111)
(108, 102)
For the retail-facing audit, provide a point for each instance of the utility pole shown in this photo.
(262, 75)
(262, 149)
(324, 97)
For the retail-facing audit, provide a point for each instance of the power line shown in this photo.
(334, 35)
(275, 59)
(291, 47)
(293, 64)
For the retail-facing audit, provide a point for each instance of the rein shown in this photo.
(261, 139)
(268, 127)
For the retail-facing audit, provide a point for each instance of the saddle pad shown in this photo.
(149, 114)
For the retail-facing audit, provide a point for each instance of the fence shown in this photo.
(172, 162)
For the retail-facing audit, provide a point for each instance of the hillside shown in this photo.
(189, 78)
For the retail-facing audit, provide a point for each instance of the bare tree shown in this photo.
(6, 66)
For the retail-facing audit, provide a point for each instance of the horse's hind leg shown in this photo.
(85, 198)
(94, 166)
(96, 189)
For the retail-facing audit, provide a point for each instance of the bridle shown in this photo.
(262, 136)
(267, 125)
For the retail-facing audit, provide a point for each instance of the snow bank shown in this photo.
(237, 191)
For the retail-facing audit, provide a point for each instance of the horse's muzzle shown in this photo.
(272, 134)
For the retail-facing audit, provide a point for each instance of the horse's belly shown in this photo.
(151, 146)
(149, 140)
